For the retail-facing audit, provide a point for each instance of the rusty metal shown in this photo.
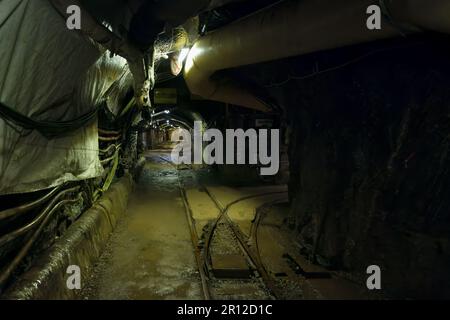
(196, 244)
(241, 239)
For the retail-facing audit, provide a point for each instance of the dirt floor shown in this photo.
(150, 254)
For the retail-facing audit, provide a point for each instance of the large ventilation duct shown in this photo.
(293, 28)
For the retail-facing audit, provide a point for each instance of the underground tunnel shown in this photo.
(224, 150)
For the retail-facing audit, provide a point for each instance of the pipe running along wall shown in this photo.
(294, 27)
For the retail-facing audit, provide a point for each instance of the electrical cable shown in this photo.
(340, 66)
(7, 272)
(49, 129)
(16, 233)
(19, 211)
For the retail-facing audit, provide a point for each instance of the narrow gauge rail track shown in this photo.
(250, 252)
(202, 249)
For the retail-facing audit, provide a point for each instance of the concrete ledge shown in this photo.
(81, 245)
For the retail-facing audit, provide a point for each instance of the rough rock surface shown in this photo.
(369, 155)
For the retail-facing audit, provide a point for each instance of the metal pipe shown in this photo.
(293, 28)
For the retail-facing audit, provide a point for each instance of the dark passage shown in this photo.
(224, 149)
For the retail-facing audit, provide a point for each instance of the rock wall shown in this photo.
(369, 162)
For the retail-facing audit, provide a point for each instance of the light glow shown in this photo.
(193, 53)
(183, 55)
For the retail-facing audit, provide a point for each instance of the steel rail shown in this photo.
(202, 260)
(194, 235)
(255, 226)
(238, 234)
(195, 242)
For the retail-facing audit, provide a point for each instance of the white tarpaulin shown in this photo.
(44, 75)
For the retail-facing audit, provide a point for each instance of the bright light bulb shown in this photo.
(183, 55)
(193, 53)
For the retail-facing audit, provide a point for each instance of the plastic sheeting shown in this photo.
(48, 73)
(117, 93)
(109, 79)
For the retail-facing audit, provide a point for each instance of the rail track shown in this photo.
(246, 244)
(259, 280)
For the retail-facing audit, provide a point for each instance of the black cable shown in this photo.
(318, 72)
(49, 129)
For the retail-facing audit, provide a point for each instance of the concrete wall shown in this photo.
(81, 245)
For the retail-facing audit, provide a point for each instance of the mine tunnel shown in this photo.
(224, 149)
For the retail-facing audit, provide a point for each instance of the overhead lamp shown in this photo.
(183, 55)
(160, 113)
(178, 61)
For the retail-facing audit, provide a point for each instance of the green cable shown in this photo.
(109, 178)
(127, 108)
